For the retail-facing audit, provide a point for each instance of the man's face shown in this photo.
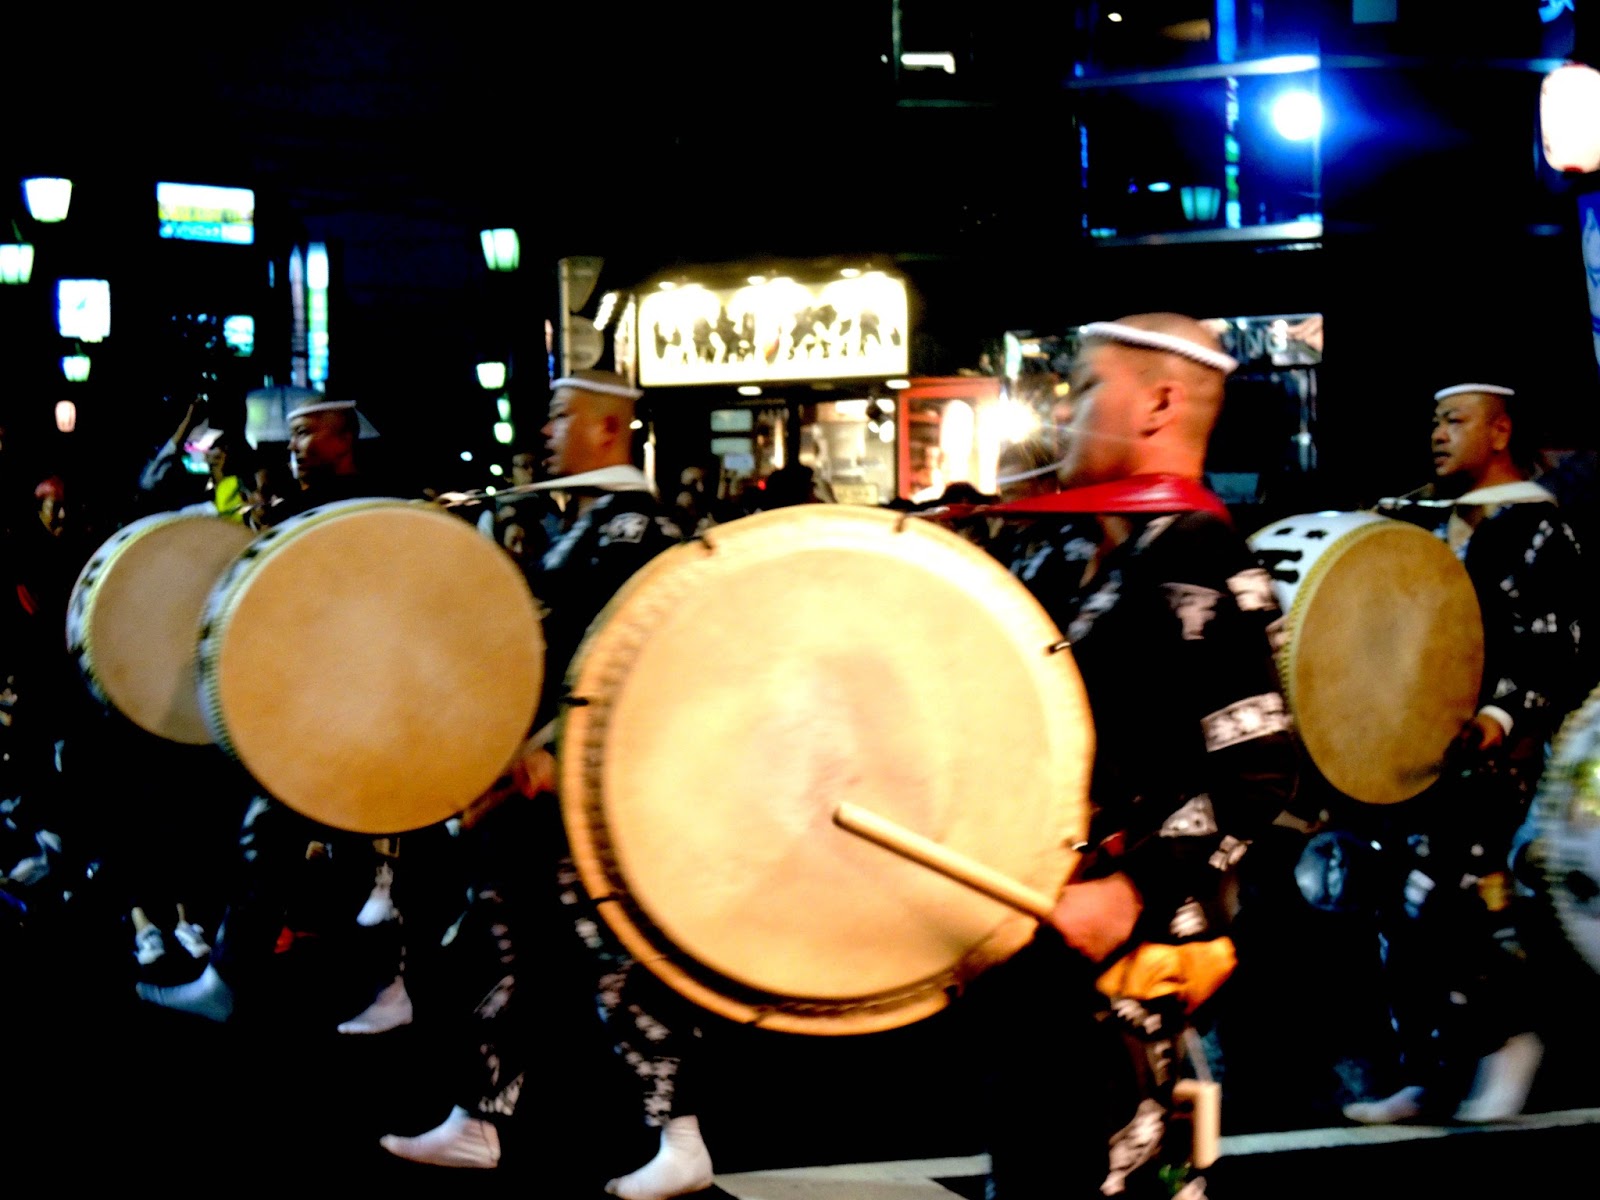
(1102, 431)
(1469, 431)
(522, 469)
(573, 436)
(317, 443)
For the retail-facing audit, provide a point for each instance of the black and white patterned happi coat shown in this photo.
(1194, 759)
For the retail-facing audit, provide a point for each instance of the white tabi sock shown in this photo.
(1503, 1081)
(209, 996)
(461, 1140)
(681, 1166)
(1404, 1105)
(390, 1010)
(380, 904)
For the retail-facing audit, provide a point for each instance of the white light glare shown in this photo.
(897, 384)
(1297, 115)
(749, 389)
(466, 456)
(636, 424)
(944, 61)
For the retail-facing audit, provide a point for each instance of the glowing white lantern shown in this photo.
(66, 416)
(491, 375)
(16, 262)
(1569, 116)
(75, 367)
(48, 199)
(502, 250)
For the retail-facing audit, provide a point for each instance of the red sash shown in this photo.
(1136, 494)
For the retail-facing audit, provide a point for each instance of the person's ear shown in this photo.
(1162, 401)
(1500, 432)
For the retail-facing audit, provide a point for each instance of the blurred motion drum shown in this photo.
(741, 686)
(1382, 653)
(374, 664)
(133, 618)
(1567, 820)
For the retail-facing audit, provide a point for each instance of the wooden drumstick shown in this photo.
(950, 863)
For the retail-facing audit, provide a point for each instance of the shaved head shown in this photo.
(1140, 409)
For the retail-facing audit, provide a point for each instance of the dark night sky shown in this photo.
(663, 134)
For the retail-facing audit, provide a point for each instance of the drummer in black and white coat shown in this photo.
(1456, 994)
(612, 524)
(1167, 615)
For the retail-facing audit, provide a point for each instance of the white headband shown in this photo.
(1149, 339)
(1487, 389)
(322, 406)
(601, 386)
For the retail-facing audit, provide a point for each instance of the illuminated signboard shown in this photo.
(239, 333)
(775, 330)
(83, 309)
(317, 315)
(196, 212)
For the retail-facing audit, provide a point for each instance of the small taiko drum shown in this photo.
(1381, 656)
(134, 616)
(742, 686)
(1566, 813)
(374, 664)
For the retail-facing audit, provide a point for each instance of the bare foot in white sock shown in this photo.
(681, 1166)
(390, 1010)
(460, 1140)
(1504, 1080)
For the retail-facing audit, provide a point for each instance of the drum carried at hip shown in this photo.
(134, 613)
(742, 687)
(374, 664)
(1381, 656)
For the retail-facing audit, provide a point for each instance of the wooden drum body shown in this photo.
(740, 687)
(1383, 650)
(374, 664)
(134, 616)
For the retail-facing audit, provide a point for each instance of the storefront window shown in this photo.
(850, 445)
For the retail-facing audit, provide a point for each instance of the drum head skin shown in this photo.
(134, 618)
(740, 687)
(1567, 812)
(1384, 655)
(373, 664)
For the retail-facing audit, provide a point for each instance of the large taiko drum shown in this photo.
(1567, 820)
(740, 687)
(134, 615)
(374, 664)
(1382, 650)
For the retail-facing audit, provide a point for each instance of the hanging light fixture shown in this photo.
(1200, 203)
(66, 416)
(491, 375)
(501, 249)
(16, 262)
(75, 367)
(48, 198)
(1569, 118)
